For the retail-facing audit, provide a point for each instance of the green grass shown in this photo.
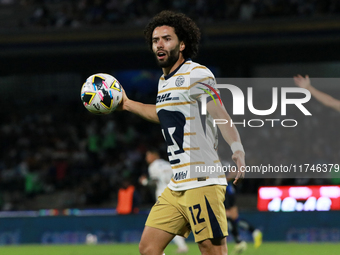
(132, 249)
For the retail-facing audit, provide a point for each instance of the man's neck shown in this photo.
(170, 69)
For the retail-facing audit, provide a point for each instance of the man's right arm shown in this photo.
(325, 99)
(146, 111)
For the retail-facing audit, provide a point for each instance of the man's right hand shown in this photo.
(122, 102)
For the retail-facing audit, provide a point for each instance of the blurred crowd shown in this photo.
(64, 148)
(78, 13)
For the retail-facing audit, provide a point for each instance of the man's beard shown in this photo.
(172, 58)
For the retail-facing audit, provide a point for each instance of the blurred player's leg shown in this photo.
(180, 242)
(234, 230)
(256, 233)
(241, 245)
(232, 217)
(239, 248)
(154, 241)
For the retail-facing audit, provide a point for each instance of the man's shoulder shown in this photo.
(198, 73)
(197, 69)
(191, 65)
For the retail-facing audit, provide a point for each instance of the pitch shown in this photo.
(132, 249)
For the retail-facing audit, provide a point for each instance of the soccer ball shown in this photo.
(101, 93)
(91, 239)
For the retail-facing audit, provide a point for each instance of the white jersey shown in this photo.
(161, 172)
(191, 145)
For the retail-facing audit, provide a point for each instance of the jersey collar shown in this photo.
(175, 71)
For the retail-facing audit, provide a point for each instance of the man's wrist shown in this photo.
(126, 105)
(236, 146)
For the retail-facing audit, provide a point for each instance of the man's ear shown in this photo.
(181, 46)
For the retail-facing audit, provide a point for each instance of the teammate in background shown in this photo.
(235, 222)
(325, 99)
(160, 173)
(193, 201)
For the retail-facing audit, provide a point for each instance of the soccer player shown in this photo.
(325, 99)
(193, 201)
(160, 173)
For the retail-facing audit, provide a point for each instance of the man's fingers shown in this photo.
(238, 158)
(240, 173)
(237, 181)
(239, 177)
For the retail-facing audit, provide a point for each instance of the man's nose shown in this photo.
(160, 44)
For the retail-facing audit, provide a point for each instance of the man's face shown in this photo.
(166, 46)
(149, 157)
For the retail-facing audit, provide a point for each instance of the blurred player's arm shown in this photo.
(325, 99)
(231, 136)
(144, 180)
(146, 111)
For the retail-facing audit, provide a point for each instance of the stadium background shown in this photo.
(55, 155)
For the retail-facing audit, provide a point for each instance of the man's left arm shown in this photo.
(231, 136)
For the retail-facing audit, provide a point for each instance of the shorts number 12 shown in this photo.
(198, 215)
